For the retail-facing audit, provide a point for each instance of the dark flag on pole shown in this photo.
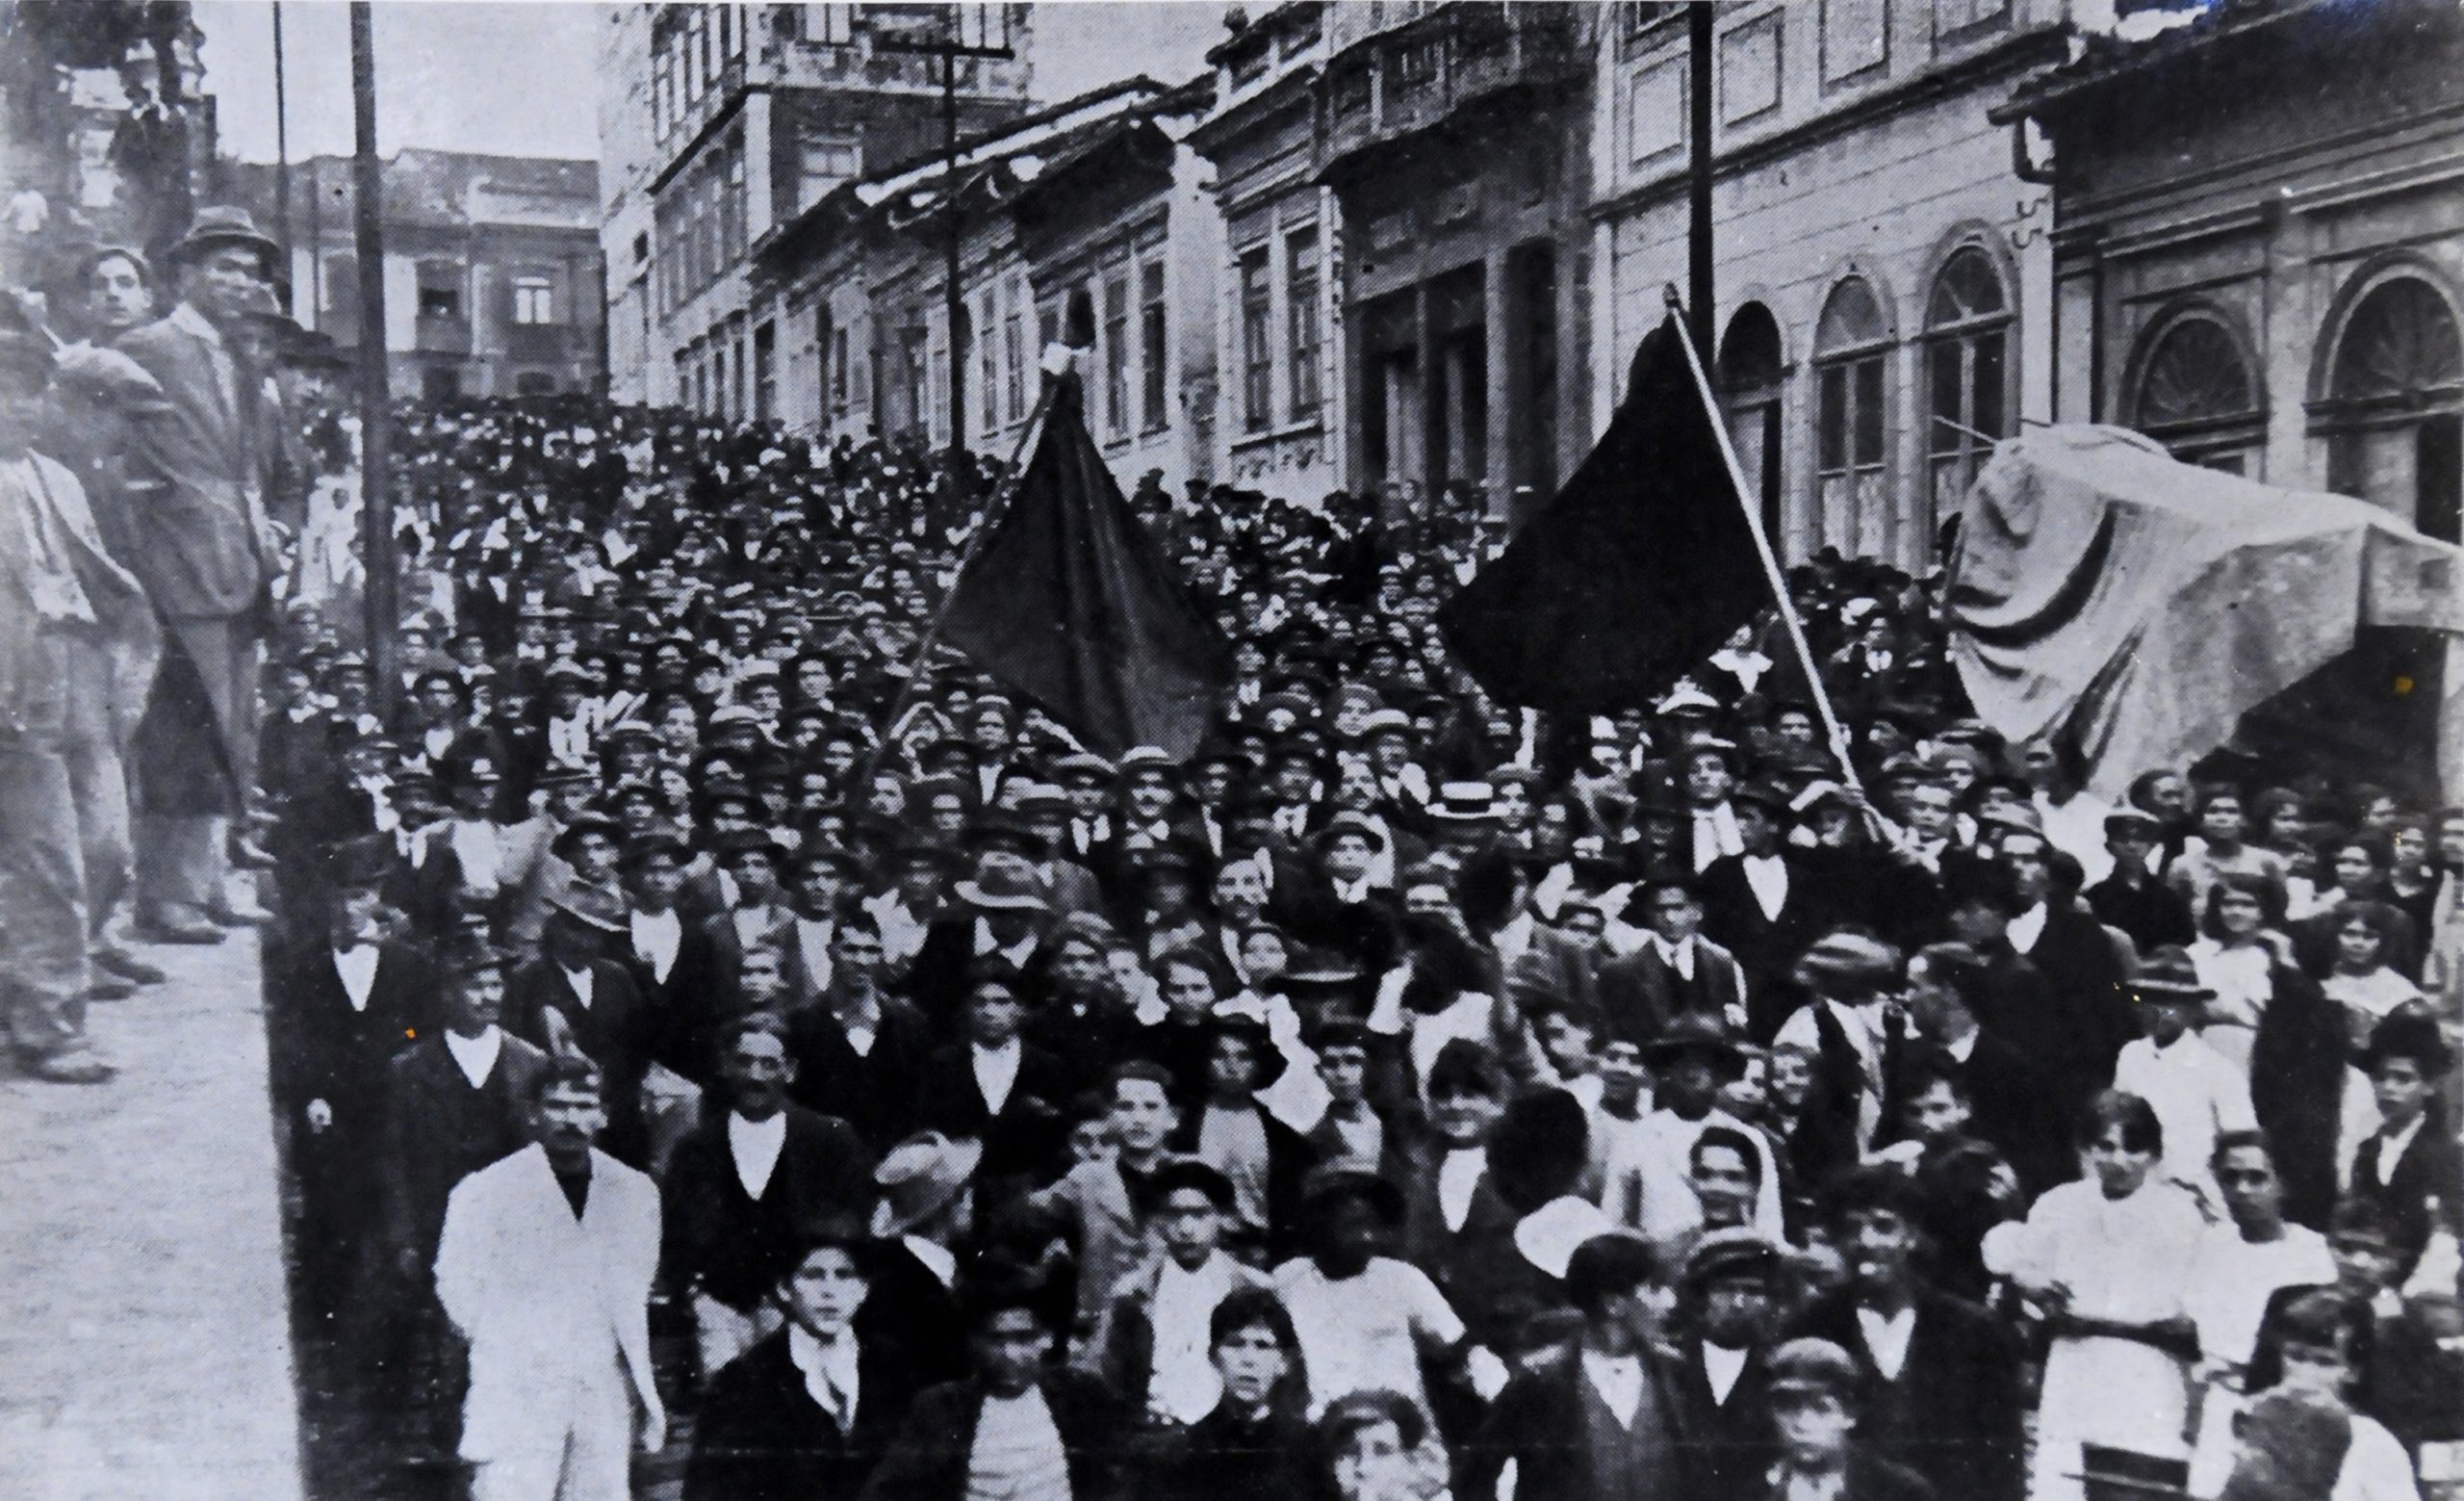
(1070, 602)
(1634, 573)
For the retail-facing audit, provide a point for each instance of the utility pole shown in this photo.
(282, 165)
(976, 30)
(382, 611)
(1700, 302)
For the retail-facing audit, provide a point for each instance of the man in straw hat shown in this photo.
(924, 1218)
(202, 544)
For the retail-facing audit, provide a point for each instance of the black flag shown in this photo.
(1069, 603)
(1634, 573)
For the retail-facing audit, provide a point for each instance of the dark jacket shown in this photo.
(1228, 1457)
(197, 447)
(440, 1131)
(875, 1092)
(1957, 1414)
(1766, 946)
(736, 1248)
(1025, 1138)
(758, 1435)
(616, 1030)
(1730, 1444)
(928, 1461)
(1641, 992)
(1289, 1158)
(1538, 1424)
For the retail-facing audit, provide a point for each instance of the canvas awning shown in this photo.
(2139, 606)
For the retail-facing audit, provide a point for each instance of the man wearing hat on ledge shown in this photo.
(76, 651)
(205, 549)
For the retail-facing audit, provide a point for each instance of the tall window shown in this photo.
(2196, 395)
(838, 367)
(1750, 371)
(534, 299)
(831, 25)
(1013, 354)
(1151, 355)
(1301, 322)
(1257, 349)
(2395, 408)
(830, 354)
(765, 375)
(1116, 354)
(989, 365)
(912, 367)
(1967, 374)
(1851, 424)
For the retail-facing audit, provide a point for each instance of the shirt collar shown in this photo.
(189, 321)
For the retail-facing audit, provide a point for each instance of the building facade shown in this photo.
(492, 270)
(1278, 405)
(1453, 139)
(2259, 260)
(720, 123)
(1883, 267)
(1082, 224)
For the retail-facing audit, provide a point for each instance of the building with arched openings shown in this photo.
(2259, 260)
(1883, 273)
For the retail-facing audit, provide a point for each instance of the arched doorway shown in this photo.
(1750, 371)
(2395, 406)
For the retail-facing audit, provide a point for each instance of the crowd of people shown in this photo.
(1401, 1097)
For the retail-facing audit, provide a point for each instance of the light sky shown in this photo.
(521, 78)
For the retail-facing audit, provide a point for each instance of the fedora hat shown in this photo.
(2167, 974)
(1004, 886)
(1694, 1032)
(220, 224)
(918, 1177)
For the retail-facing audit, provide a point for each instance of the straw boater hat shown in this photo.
(918, 1179)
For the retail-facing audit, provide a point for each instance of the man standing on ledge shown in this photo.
(200, 542)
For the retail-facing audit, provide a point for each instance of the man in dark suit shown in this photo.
(2012, 999)
(1677, 970)
(1760, 904)
(457, 1099)
(2410, 1165)
(922, 1227)
(343, 1006)
(805, 1414)
(575, 1000)
(1597, 1420)
(1940, 1389)
(201, 543)
(2068, 947)
(859, 1052)
(999, 922)
(998, 1089)
(672, 960)
(1335, 907)
(1056, 1429)
(2134, 899)
(744, 1181)
(1720, 1380)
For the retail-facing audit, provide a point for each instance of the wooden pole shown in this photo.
(1762, 547)
(1699, 269)
(382, 610)
(282, 165)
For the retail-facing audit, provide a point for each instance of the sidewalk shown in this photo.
(145, 1326)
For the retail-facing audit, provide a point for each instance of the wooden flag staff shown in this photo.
(1763, 546)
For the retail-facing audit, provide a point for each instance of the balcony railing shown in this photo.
(1431, 62)
(443, 335)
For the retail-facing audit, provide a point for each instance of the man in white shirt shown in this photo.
(2197, 1092)
(1710, 774)
(823, 873)
(2239, 1265)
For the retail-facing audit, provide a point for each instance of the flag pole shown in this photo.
(993, 506)
(1763, 547)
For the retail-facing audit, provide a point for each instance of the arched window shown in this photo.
(2195, 393)
(1749, 375)
(1967, 374)
(1852, 419)
(2395, 408)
